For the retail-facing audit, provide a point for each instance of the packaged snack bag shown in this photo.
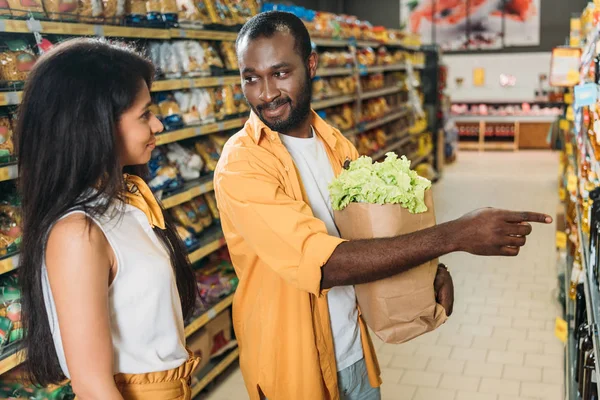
(228, 100)
(218, 103)
(7, 148)
(210, 155)
(186, 215)
(240, 101)
(189, 163)
(169, 11)
(211, 57)
(202, 210)
(229, 56)
(383, 200)
(164, 176)
(22, 8)
(212, 205)
(188, 14)
(202, 100)
(170, 111)
(16, 62)
(90, 10)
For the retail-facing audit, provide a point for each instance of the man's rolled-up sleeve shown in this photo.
(281, 230)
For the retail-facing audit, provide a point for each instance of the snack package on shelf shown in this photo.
(189, 240)
(16, 61)
(229, 103)
(384, 57)
(114, 10)
(372, 81)
(153, 14)
(64, 10)
(169, 111)
(136, 12)
(366, 57)
(205, 12)
(324, 88)
(229, 56)
(240, 102)
(212, 205)
(187, 216)
(25, 8)
(169, 11)
(93, 10)
(386, 199)
(202, 211)
(11, 327)
(341, 117)
(218, 101)
(168, 62)
(164, 175)
(10, 223)
(374, 108)
(191, 56)
(209, 152)
(188, 14)
(188, 107)
(335, 59)
(216, 277)
(211, 57)
(190, 164)
(222, 14)
(371, 141)
(7, 147)
(243, 10)
(203, 100)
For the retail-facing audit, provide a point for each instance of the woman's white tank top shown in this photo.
(145, 311)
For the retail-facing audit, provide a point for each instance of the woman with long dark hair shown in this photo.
(105, 279)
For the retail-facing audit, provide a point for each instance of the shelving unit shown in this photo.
(9, 172)
(191, 190)
(190, 83)
(198, 130)
(212, 370)
(208, 316)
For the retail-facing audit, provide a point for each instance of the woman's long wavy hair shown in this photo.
(66, 145)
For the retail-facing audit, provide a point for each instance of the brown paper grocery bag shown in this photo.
(403, 306)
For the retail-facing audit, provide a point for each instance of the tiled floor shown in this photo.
(499, 344)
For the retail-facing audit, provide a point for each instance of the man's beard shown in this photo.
(298, 111)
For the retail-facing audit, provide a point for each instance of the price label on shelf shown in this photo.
(561, 330)
(561, 240)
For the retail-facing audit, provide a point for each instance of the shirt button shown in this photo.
(287, 168)
(272, 137)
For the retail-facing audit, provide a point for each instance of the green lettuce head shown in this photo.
(389, 182)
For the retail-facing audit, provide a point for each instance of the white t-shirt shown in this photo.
(316, 173)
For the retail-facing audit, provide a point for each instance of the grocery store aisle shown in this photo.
(499, 344)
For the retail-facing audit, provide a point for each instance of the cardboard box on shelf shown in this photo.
(220, 332)
(201, 345)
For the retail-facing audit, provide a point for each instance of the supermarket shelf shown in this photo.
(199, 130)
(380, 92)
(393, 147)
(77, 29)
(9, 172)
(384, 68)
(12, 361)
(189, 83)
(335, 71)
(504, 119)
(498, 146)
(416, 160)
(208, 316)
(570, 385)
(207, 249)
(330, 42)
(320, 104)
(10, 98)
(193, 190)
(215, 371)
(9, 263)
(379, 122)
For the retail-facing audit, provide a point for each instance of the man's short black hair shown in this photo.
(268, 23)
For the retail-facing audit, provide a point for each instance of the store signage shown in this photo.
(564, 67)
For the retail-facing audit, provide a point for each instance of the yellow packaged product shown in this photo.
(205, 10)
(211, 57)
(137, 7)
(202, 211)
(222, 13)
(218, 103)
(168, 7)
(16, 63)
(153, 6)
(228, 100)
(7, 147)
(169, 107)
(188, 218)
(206, 149)
(229, 56)
(90, 10)
(212, 205)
